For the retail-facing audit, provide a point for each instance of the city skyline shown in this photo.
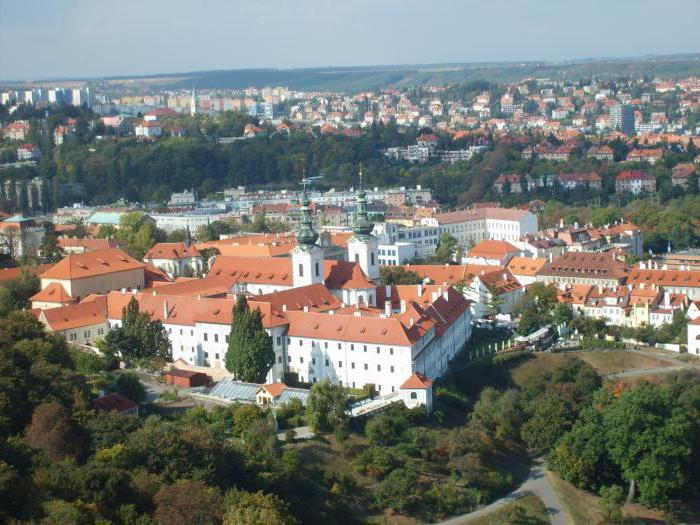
(158, 38)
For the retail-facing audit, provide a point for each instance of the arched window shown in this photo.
(371, 299)
(414, 395)
(259, 291)
(360, 299)
(301, 270)
(372, 257)
(357, 258)
(317, 270)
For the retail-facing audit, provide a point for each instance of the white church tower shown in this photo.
(307, 256)
(362, 246)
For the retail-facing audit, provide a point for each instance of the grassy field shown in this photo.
(605, 362)
(526, 510)
(583, 506)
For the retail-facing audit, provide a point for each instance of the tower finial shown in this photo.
(306, 235)
(362, 226)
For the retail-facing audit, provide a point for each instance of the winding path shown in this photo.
(537, 484)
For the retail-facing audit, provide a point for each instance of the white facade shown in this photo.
(172, 222)
(396, 254)
(179, 267)
(364, 251)
(307, 265)
(471, 228)
(694, 337)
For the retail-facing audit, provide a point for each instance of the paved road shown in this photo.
(537, 484)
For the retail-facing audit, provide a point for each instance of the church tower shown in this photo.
(193, 103)
(362, 246)
(307, 256)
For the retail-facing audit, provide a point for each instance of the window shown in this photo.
(313, 360)
(391, 369)
(279, 359)
(301, 360)
(357, 258)
(377, 349)
(365, 348)
(191, 332)
(414, 395)
(338, 346)
(391, 351)
(206, 355)
(325, 345)
(372, 258)
(182, 348)
(227, 339)
(301, 342)
(216, 338)
(379, 368)
(366, 367)
(318, 271)
(340, 364)
(180, 331)
(352, 365)
(352, 347)
(259, 291)
(301, 270)
(216, 355)
(279, 340)
(289, 359)
(327, 363)
(206, 336)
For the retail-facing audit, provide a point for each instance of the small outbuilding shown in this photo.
(186, 378)
(417, 390)
(115, 403)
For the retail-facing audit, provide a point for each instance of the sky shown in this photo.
(43, 39)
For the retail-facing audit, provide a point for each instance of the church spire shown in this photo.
(306, 236)
(362, 226)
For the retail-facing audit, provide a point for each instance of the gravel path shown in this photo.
(537, 484)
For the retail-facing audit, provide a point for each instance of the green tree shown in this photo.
(49, 245)
(250, 354)
(325, 407)
(448, 250)
(129, 385)
(611, 500)
(188, 503)
(650, 436)
(398, 275)
(536, 307)
(255, 508)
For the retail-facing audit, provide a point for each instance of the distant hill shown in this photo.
(359, 78)
(353, 79)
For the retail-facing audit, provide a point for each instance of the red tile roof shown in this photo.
(53, 293)
(417, 381)
(113, 402)
(89, 264)
(171, 250)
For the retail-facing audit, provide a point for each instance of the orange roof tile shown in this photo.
(417, 381)
(526, 265)
(492, 249)
(171, 250)
(89, 264)
(76, 315)
(53, 293)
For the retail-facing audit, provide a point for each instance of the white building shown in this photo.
(474, 225)
(175, 258)
(694, 337)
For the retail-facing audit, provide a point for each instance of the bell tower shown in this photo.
(307, 256)
(362, 246)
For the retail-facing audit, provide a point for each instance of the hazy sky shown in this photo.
(81, 38)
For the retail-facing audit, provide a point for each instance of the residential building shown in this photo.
(175, 258)
(635, 181)
(652, 156)
(622, 118)
(477, 224)
(593, 268)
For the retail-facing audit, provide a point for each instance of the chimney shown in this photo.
(357, 313)
(667, 299)
(551, 257)
(306, 308)
(600, 288)
(419, 290)
(123, 290)
(387, 290)
(166, 313)
(505, 276)
(446, 294)
(387, 308)
(410, 322)
(403, 305)
(284, 307)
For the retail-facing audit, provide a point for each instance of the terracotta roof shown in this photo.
(376, 330)
(171, 250)
(76, 315)
(449, 273)
(417, 381)
(491, 249)
(315, 298)
(89, 245)
(113, 402)
(53, 293)
(155, 276)
(275, 389)
(88, 264)
(8, 274)
(500, 281)
(677, 278)
(258, 270)
(634, 175)
(585, 265)
(357, 280)
(208, 287)
(526, 265)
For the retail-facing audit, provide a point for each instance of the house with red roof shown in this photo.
(635, 181)
(175, 258)
(652, 156)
